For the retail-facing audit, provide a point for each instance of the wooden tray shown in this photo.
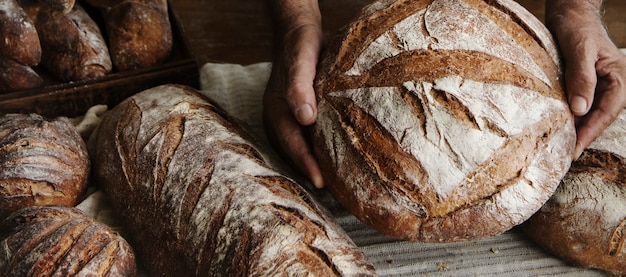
(74, 98)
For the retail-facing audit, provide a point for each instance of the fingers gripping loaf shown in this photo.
(442, 120)
(42, 162)
(198, 198)
(139, 31)
(584, 222)
(72, 43)
(62, 241)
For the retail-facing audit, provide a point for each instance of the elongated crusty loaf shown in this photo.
(62, 241)
(72, 43)
(18, 37)
(16, 76)
(585, 220)
(42, 162)
(139, 32)
(199, 199)
(442, 120)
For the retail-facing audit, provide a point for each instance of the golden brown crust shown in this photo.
(62, 241)
(415, 133)
(585, 222)
(181, 173)
(42, 162)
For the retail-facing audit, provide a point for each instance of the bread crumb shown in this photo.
(442, 266)
(495, 250)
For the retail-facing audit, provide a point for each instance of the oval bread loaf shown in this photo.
(72, 43)
(16, 76)
(62, 241)
(585, 220)
(442, 120)
(42, 162)
(199, 199)
(19, 38)
(139, 32)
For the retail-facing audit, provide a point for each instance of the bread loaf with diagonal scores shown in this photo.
(62, 241)
(584, 222)
(199, 198)
(43, 161)
(442, 120)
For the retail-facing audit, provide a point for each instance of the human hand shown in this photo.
(289, 101)
(595, 69)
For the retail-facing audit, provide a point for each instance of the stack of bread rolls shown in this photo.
(61, 39)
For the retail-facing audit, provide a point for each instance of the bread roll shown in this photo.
(72, 43)
(42, 162)
(442, 120)
(19, 40)
(199, 199)
(139, 32)
(16, 76)
(62, 241)
(584, 222)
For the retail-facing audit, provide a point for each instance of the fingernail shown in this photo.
(578, 105)
(318, 182)
(304, 113)
(578, 151)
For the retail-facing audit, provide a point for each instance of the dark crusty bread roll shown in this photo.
(139, 32)
(42, 162)
(442, 120)
(62, 241)
(16, 76)
(72, 43)
(19, 40)
(199, 199)
(585, 220)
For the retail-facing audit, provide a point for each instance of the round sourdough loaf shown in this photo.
(585, 220)
(42, 162)
(62, 241)
(442, 120)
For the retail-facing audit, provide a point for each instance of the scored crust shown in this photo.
(584, 222)
(442, 120)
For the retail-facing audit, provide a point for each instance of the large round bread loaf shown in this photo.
(585, 220)
(62, 241)
(199, 198)
(42, 162)
(442, 120)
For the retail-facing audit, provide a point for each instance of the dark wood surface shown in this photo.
(240, 31)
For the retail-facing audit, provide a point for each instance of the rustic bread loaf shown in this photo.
(62, 241)
(42, 162)
(199, 199)
(139, 32)
(16, 76)
(72, 43)
(585, 220)
(19, 38)
(442, 120)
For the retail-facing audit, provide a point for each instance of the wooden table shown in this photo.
(240, 31)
